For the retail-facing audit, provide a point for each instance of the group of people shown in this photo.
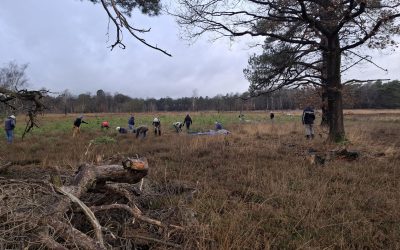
(140, 131)
(308, 118)
(186, 122)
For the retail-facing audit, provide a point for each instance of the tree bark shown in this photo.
(324, 94)
(334, 90)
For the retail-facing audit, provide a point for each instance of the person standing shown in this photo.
(77, 124)
(9, 126)
(272, 116)
(157, 126)
(308, 121)
(188, 121)
(131, 123)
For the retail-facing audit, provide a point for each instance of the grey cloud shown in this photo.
(66, 45)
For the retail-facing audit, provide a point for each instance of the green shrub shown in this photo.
(103, 140)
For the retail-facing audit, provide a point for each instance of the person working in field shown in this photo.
(9, 126)
(272, 116)
(241, 117)
(131, 123)
(121, 130)
(141, 131)
(157, 126)
(188, 121)
(308, 118)
(218, 126)
(178, 126)
(105, 125)
(77, 124)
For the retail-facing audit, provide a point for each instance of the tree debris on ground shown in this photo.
(98, 208)
(320, 158)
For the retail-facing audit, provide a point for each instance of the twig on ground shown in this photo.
(89, 214)
(135, 212)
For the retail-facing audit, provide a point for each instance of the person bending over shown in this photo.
(105, 125)
(178, 126)
(141, 131)
(77, 124)
(121, 130)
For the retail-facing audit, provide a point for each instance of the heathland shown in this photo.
(255, 188)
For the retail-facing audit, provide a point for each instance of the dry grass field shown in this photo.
(253, 189)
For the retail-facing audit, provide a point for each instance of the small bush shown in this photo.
(103, 140)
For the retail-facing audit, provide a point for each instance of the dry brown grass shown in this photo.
(256, 187)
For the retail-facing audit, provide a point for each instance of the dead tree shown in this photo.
(28, 101)
(37, 213)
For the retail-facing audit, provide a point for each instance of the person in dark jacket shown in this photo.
(121, 130)
(141, 131)
(131, 123)
(9, 126)
(77, 124)
(308, 118)
(188, 121)
(271, 116)
(218, 126)
(157, 126)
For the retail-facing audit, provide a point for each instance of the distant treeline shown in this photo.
(370, 95)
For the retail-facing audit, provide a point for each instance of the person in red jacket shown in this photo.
(105, 125)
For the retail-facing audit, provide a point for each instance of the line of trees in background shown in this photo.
(375, 95)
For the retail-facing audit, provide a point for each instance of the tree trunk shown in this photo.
(324, 94)
(334, 90)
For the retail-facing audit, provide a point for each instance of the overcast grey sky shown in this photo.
(65, 44)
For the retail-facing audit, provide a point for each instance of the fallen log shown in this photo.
(132, 171)
(42, 207)
(320, 158)
(57, 216)
(88, 176)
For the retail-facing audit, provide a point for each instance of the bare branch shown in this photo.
(120, 22)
